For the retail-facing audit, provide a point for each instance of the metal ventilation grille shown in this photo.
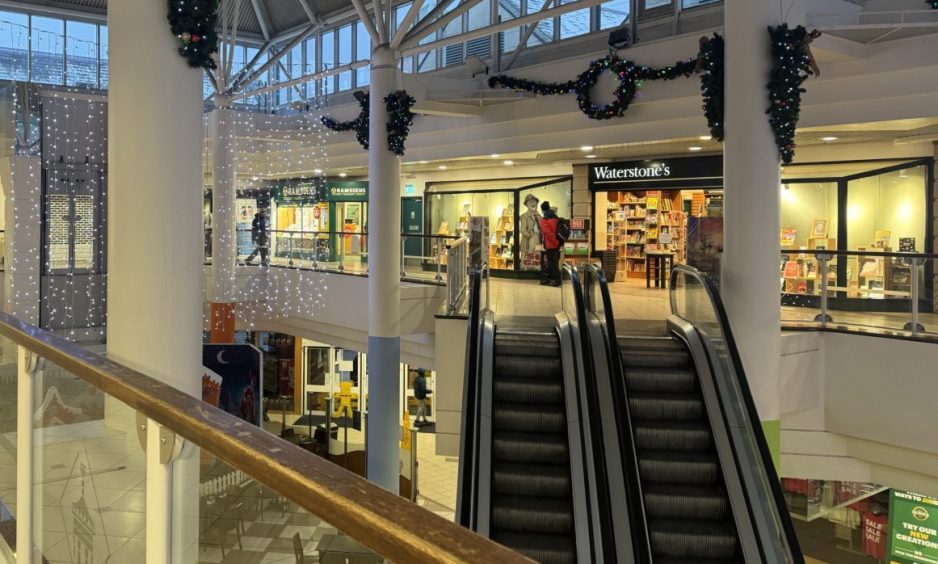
(453, 55)
(481, 47)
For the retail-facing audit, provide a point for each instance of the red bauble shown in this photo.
(196, 38)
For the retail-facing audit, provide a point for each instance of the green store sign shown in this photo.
(315, 192)
(913, 528)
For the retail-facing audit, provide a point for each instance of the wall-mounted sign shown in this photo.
(691, 172)
(913, 528)
(410, 188)
(313, 191)
(347, 191)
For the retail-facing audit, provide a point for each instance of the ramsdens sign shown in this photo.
(691, 172)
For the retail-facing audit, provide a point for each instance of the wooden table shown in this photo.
(660, 262)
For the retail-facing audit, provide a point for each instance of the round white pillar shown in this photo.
(749, 283)
(155, 234)
(384, 282)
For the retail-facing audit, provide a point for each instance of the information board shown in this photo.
(913, 528)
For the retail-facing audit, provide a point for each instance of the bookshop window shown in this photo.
(451, 212)
(809, 215)
(887, 209)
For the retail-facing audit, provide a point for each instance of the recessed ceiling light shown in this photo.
(706, 137)
(508, 162)
(695, 148)
(495, 155)
(829, 138)
(424, 162)
(586, 148)
(591, 156)
(317, 171)
(343, 174)
(442, 167)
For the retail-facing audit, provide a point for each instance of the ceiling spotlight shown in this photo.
(442, 167)
(343, 174)
(706, 137)
(586, 148)
(424, 162)
(508, 163)
(591, 156)
(254, 178)
(829, 138)
(317, 171)
(695, 148)
(495, 155)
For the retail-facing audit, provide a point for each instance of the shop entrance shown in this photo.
(351, 218)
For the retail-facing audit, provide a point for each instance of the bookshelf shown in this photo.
(502, 242)
(635, 223)
(577, 248)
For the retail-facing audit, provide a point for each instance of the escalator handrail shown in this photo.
(588, 374)
(641, 539)
(469, 440)
(739, 375)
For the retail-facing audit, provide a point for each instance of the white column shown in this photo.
(224, 238)
(154, 225)
(21, 178)
(750, 284)
(384, 282)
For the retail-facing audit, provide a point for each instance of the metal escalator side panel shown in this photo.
(616, 479)
(467, 477)
(585, 512)
(723, 431)
(484, 424)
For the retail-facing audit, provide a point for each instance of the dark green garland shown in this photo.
(791, 65)
(360, 124)
(628, 73)
(932, 3)
(193, 22)
(711, 64)
(400, 118)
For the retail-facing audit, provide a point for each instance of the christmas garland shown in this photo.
(360, 124)
(792, 63)
(932, 3)
(710, 64)
(628, 73)
(193, 22)
(400, 118)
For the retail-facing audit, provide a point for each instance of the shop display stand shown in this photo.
(502, 242)
(577, 247)
(634, 222)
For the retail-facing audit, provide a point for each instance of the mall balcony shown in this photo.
(242, 322)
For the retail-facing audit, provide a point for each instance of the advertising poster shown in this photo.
(705, 244)
(240, 368)
(245, 208)
(913, 528)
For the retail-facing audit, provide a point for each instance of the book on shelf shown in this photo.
(792, 269)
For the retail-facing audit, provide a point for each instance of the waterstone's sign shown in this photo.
(694, 172)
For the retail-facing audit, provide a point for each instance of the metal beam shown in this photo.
(366, 20)
(528, 31)
(289, 76)
(405, 25)
(380, 24)
(301, 80)
(212, 79)
(273, 59)
(499, 27)
(431, 17)
(310, 13)
(263, 18)
(414, 38)
(247, 68)
(234, 40)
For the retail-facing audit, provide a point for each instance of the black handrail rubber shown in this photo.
(765, 454)
(469, 437)
(641, 540)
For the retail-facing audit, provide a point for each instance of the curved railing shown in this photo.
(599, 303)
(695, 298)
(243, 470)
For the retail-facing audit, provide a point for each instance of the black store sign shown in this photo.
(693, 172)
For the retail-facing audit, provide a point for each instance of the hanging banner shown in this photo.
(913, 528)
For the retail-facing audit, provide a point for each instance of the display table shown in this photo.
(658, 267)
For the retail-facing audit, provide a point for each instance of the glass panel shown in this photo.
(362, 53)
(574, 23)
(102, 50)
(328, 60)
(309, 65)
(400, 13)
(295, 67)
(8, 411)
(883, 209)
(14, 46)
(81, 43)
(90, 473)
(478, 16)
(239, 59)
(544, 33)
(613, 14)
(652, 4)
(48, 50)
(345, 55)
(694, 3)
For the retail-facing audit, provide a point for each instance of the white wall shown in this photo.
(448, 395)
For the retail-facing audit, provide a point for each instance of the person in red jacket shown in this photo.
(551, 245)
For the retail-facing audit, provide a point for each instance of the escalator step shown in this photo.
(650, 343)
(547, 549)
(531, 418)
(528, 390)
(655, 358)
(676, 467)
(531, 480)
(666, 406)
(529, 447)
(528, 344)
(673, 380)
(532, 514)
(696, 561)
(685, 502)
(692, 539)
(672, 435)
(536, 367)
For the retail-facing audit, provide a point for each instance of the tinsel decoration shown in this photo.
(710, 65)
(194, 23)
(792, 63)
(359, 124)
(400, 118)
(629, 74)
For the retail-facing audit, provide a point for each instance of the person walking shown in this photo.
(552, 243)
(259, 237)
(421, 392)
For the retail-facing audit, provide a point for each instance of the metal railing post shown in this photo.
(914, 326)
(340, 253)
(413, 464)
(823, 317)
(328, 424)
(403, 242)
(290, 249)
(440, 249)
